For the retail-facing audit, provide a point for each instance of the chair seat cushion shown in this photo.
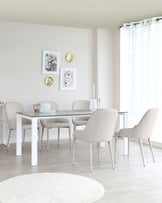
(80, 122)
(28, 126)
(62, 120)
(81, 135)
(57, 125)
(55, 122)
(127, 132)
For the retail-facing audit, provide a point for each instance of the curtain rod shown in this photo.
(157, 19)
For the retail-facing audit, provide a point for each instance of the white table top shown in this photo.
(57, 113)
(62, 113)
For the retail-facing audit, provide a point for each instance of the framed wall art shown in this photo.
(68, 78)
(51, 62)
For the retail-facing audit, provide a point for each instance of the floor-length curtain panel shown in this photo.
(141, 69)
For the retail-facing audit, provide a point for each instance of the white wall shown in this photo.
(21, 47)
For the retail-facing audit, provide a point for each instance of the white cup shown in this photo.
(45, 107)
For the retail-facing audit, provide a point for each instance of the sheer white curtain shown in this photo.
(141, 69)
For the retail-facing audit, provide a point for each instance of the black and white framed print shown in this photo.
(51, 62)
(68, 78)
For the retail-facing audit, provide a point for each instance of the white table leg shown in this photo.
(19, 136)
(125, 125)
(34, 150)
(4, 127)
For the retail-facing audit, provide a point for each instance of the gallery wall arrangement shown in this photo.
(51, 65)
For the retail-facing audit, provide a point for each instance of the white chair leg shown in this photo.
(116, 141)
(141, 148)
(24, 131)
(47, 139)
(151, 149)
(58, 141)
(74, 128)
(129, 147)
(39, 136)
(70, 137)
(98, 152)
(111, 153)
(74, 145)
(90, 151)
(42, 136)
(9, 136)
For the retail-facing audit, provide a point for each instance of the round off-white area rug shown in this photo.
(50, 188)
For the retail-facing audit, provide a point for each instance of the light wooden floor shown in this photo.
(130, 182)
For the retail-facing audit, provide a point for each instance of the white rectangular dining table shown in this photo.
(34, 117)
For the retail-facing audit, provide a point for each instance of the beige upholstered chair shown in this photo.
(11, 109)
(80, 105)
(142, 131)
(100, 128)
(54, 123)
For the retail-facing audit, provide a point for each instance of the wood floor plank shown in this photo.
(130, 182)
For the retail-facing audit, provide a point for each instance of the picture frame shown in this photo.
(68, 78)
(51, 62)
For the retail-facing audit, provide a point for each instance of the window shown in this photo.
(141, 70)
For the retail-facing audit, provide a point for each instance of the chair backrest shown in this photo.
(146, 125)
(81, 105)
(54, 106)
(11, 109)
(101, 125)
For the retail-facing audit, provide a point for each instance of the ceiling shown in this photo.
(79, 13)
